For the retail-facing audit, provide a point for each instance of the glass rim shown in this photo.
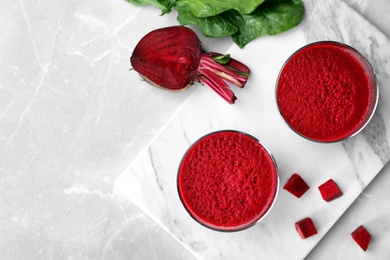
(253, 221)
(375, 89)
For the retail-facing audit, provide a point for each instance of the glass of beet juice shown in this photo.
(227, 180)
(327, 91)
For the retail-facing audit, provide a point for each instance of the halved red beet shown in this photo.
(330, 190)
(305, 228)
(296, 185)
(361, 237)
(173, 58)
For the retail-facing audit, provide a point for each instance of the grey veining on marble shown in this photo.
(71, 122)
(370, 209)
(374, 11)
(150, 179)
(340, 26)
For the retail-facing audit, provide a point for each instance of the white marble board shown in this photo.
(150, 180)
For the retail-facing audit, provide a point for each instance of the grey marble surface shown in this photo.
(57, 168)
(149, 181)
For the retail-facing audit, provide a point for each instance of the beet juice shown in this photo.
(227, 180)
(326, 91)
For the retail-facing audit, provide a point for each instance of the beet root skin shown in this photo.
(296, 185)
(362, 237)
(168, 57)
(330, 190)
(172, 58)
(306, 228)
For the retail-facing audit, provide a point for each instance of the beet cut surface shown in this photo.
(296, 185)
(172, 58)
(330, 190)
(361, 237)
(306, 228)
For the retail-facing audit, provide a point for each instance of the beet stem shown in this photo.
(218, 85)
(234, 64)
(212, 73)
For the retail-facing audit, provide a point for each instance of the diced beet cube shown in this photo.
(296, 185)
(329, 190)
(305, 228)
(361, 237)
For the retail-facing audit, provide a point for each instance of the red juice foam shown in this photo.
(327, 91)
(227, 180)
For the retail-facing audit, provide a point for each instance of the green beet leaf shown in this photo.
(271, 18)
(222, 59)
(242, 20)
(164, 5)
(206, 8)
(213, 26)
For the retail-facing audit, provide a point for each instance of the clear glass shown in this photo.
(372, 81)
(254, 220)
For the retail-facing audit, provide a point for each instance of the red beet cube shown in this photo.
(361, 237)
(330, 191)
(296, 185)
(305, 228)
